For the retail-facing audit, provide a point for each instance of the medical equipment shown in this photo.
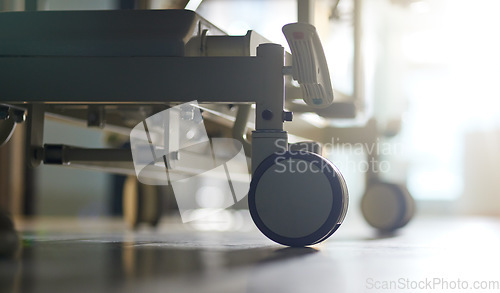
(117, 68)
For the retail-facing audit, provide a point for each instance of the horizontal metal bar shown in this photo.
(133, 79)
(105, 155)
(63, 154)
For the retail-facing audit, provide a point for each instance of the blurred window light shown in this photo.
(338, 43)
(236, 17)
(339, 51)
(420, 6)
(433, 62)
(450, 76)
(193, 4)
(426, 47)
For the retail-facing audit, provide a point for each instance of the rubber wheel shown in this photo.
(141, 203)
(387, 206)
(297, 199)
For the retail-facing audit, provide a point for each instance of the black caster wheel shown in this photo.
(141, 203)
(297, 199)
(387, 206)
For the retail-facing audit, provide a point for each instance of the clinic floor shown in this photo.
(71, 255)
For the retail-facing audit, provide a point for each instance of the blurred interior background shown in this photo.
(427, 73)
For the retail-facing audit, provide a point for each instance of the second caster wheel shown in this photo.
(141, 203)
(297, 199)
(387, 206)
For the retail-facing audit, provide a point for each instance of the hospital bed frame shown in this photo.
(42, 76)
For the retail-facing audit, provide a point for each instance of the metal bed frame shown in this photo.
(66, 64)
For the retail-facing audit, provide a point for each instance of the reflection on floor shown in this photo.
(60, 255)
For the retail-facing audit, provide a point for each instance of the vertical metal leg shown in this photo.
(269, 136)
(240, 126)
(34, 134)
(171, 137)
(372, 153)
(305, 11)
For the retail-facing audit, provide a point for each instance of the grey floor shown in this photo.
(72, 255)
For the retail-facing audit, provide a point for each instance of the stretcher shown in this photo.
(114, 69)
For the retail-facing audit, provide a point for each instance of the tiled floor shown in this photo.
(431, 255)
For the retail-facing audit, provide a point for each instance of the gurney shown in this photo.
(114, 69)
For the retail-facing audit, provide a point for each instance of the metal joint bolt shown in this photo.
(267, 114)
(287, 116)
